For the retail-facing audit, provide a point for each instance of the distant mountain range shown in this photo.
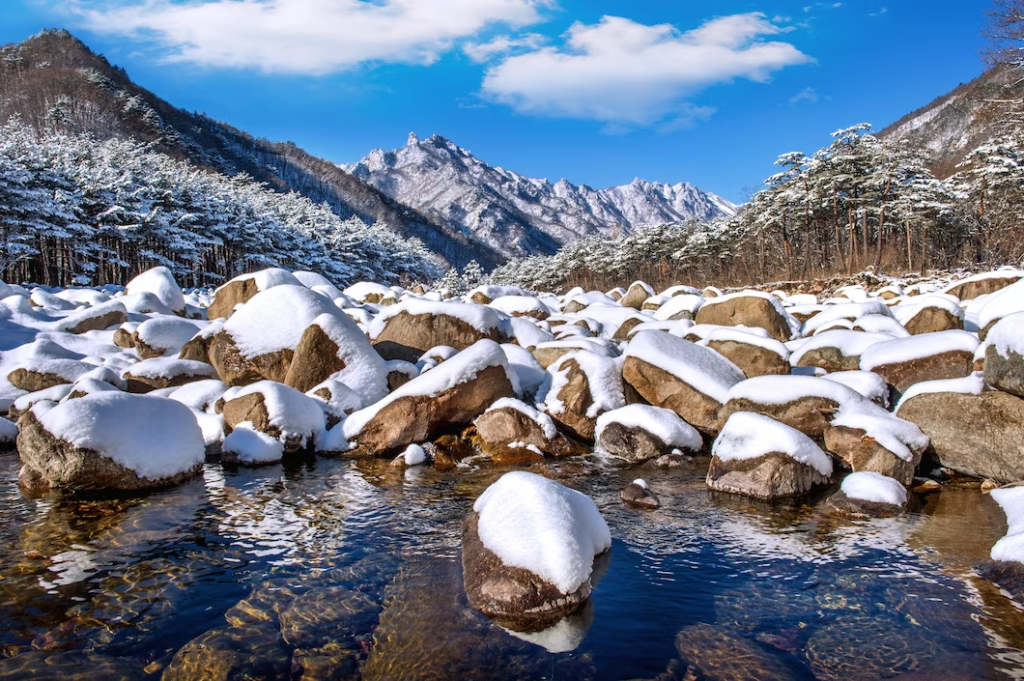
(517, 214)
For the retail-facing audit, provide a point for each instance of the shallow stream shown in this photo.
(340, 569)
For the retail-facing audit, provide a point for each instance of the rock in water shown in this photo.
(110, 442)
(869, 495)
(759, 457)
(640, 432)
(978, 435)
(511, 431)
(528, 549)
(637, 494)
(723, 656)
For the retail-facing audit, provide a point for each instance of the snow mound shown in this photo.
(481, 317)
(750, 436)
(268, 279)
(664, 424)
(298, 416)
(701, 368)
(871, 486)
(848, 311)
(153, 436)
(1002, 303)
(868, 384)
(917, 347)
(1011, 547)
(849, 343)
(200, 395)
(1008, 335)
(460, 369)
(534, 523)
(169, 333)
(160, 282)
(604, 379)
(251, 446)
(276, 318)
(542, 420)
(414, 455)
(169, 367)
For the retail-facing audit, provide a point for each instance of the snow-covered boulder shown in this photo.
(759, 457)
(868, 384)
(679, 307)
(869, 495)
(976, 433)
(95, 318)
(638, 495)
(158, 336)
(850, 312)
(928, 357)
(246, 445)
(1007, 570)
(869, 438)
(1004, 355)
(1000, 304)
(836, 350)
(407, 330)
(640, 432)
(750, 308)
(511, 431)
(159, 282)
(368, 292)
(110, 442)
(521, 306)
(673, 373)
(583, 385)
(805, 403)
(293, 418)
(198, 347)
(754, 355)
(244, 287)
(487, 294)
(529, 334)
(930, 314)
(635, 296)
(454, 393)
(528, 549)
(983, 284)
(165, 372)
(549, 352)
(334, 347)
(258, 342)
(39, 373)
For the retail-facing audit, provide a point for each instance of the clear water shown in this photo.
(357, 563)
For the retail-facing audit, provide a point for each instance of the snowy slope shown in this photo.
(953, 125)
(517, 214)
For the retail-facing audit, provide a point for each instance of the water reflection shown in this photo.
(339, 569)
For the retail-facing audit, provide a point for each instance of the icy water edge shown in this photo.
(342, 569)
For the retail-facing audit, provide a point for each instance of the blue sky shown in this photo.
(597, 91)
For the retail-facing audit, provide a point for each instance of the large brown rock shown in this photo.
(234, 368)
(511, 595)
(810, 414)
(408, 336)
(572, 405)
(752, 359)
(160, 373)
(1004, 365)
(746, 309)
(862, 453)
(932, 319)
(772, 476)
(663, 389)
(95, 318)
(40, 374)
(229, 296)
(315, 359)
(533, 434)
(636, 295)
(977, 435)
(721, 655)
(255, 651)
(974, 287)
(928, 357)
(50, 462)
(333, 346)
(416, 411)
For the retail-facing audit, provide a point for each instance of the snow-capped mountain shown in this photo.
(521, 215)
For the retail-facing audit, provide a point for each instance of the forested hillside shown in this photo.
(75, 210)
(859, 202)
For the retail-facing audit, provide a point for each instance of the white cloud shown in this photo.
(622, 72)
(307, 36)
(482, 52)
(809, 95)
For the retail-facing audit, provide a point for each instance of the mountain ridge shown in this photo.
(516, 213)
